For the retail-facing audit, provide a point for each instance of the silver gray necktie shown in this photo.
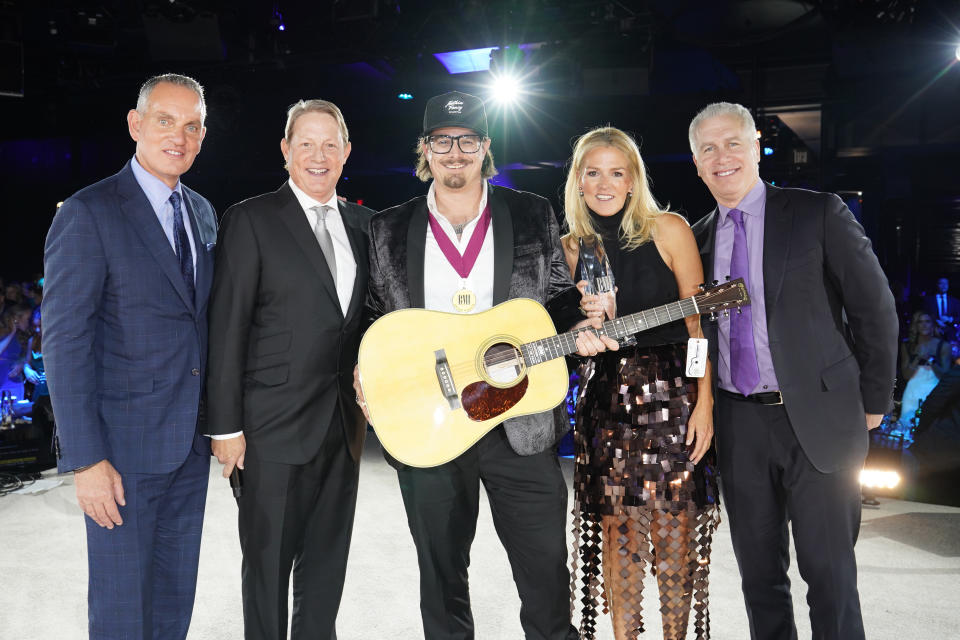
(323, 237)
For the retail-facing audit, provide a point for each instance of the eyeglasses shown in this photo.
(443, 144)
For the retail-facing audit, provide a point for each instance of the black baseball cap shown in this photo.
(455, 109)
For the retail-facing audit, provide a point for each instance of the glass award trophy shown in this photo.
(595, 268)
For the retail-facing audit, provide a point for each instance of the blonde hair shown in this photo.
(302, 107)
(913, 335)
(422, 170)
(642, 209)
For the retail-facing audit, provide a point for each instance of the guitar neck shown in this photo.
(564, 344)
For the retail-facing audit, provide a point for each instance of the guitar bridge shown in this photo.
(445, 378)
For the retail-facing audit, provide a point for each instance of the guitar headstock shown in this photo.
(720, 297)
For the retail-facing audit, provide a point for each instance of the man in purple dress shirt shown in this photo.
(803, 373)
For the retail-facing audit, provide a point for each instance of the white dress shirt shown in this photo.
(158, 194)
(440, 279)
(343, 252)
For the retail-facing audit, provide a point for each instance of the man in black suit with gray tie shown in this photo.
(803, 373)
(285, 310)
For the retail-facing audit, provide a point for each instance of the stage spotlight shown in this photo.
(505, 88)
(768, 151)
(957, 52)
(405, 96)
(877, 479)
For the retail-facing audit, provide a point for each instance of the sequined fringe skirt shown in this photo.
(632, 467)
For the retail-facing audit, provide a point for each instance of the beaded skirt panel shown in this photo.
(639, 500)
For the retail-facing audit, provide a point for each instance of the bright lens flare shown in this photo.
(875, 479)
(957, 52)
(505, 89)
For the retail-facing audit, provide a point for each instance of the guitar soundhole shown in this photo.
(483, 401)
(502, 363)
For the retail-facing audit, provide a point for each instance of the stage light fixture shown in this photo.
(877, 479)
(405, 96)
(281, 27)
(505, 88)
(768, 151)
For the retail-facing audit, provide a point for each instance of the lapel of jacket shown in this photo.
(416, 243)
(707, 241)
(293, 217)
(502, 245)
(778, 220)
(359, 245)
(138, 211)
(204, 261)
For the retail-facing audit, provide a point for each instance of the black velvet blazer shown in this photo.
(528, 263)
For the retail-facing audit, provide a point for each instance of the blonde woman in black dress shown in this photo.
(645, 494)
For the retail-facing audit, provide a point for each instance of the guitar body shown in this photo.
(435, 383)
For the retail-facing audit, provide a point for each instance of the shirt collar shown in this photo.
(752, 204)
(307, 203)
(157, 192)
(432, 203)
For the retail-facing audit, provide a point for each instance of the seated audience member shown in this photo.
(943, 308)
(14, 333)
(13, 293)
(924, 358)
(936, 447)
(36, 377)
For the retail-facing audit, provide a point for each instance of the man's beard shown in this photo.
(456, 181)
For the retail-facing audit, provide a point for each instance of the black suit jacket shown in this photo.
(281, 350)
(930, 306)
(528, 263)
(831, 321)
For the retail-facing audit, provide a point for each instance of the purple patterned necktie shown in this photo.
(744, 372)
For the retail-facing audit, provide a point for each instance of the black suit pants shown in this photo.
(528, 499)
(299, 518)
(767, 481)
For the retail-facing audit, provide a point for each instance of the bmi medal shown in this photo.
(464, 299)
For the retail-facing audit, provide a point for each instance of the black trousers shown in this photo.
(299, 518)
(528, 499)
(767, 481)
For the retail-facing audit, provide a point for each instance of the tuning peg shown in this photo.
(726, 313)
(702, 286)
(716, 282)
(728, 278)
(739, 310)
(713, 316)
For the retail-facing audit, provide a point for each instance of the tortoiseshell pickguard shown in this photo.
(483, 401)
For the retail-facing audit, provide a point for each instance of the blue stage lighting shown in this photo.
(281, 27)
(471, 60)
(405, 96)
(768, 151)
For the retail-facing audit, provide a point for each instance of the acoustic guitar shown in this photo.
(437, 382)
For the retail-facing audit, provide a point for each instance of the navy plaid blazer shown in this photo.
(124, 346)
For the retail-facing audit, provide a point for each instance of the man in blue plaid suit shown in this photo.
(128, 266)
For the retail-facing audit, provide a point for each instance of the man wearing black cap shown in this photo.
(510, 249)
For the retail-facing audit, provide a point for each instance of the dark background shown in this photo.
(861, 97)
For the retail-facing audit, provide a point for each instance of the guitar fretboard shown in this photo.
(564, 344)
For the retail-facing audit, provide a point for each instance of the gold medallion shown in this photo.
(464, 300)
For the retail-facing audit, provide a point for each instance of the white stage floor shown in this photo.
(908, 554)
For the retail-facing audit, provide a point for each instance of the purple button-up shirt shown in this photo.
(754, 206)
